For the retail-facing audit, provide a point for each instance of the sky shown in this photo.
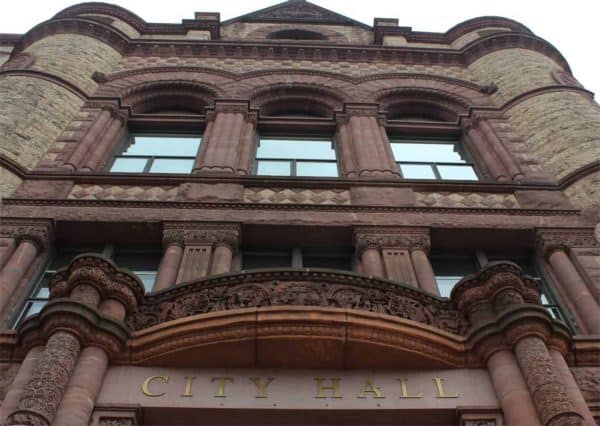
(572, 27)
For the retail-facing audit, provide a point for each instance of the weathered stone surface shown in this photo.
(8, 182)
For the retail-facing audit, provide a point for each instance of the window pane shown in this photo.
(42, 293)
(147, 278)
(296, 149)
(167, 146)
(305, 168)
(446, 284)
(457, 172)
(171, 165)
(274, 168)
(417, 171)
(34, 307)
(426, 152)
(135, 165)
(259, 259)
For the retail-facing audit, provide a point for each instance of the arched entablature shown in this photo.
(297, 337)
(296, 100)
(166, 96)
(98, 8)
(420, 103)
(260, 87)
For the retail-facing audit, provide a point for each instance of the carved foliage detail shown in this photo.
(39, 232)
(190, 233)
(285, 289)
(553, 239)
(387, 238)
(114, 421)
(44, 390)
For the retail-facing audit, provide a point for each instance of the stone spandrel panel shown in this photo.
(297, 196)
(514, 71)
(560, 129)
(124, 192)
(74, 57)
(585, 192)
(466, 200)
(346, 68)
(35, 112)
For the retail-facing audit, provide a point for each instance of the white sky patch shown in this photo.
(572, 27)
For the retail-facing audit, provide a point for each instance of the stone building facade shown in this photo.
(292, 217)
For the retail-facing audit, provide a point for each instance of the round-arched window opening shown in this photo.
(291, 107)
(296, 35)
(420, 111)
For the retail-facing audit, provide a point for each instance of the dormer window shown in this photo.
(296, 34)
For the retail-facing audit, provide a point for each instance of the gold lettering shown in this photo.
(221, 387)
(146, 384)
(370, 387)
(404, 390)
(260, 386)
(335, 387)
(439, 388)
(188, 386)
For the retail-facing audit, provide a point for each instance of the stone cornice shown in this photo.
(265, 50)
(550, 239)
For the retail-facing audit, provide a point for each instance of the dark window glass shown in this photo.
(157, 154)
(329, 258)
(451, 268)
(266, 258)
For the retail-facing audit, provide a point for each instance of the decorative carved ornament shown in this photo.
(100, 273)
(548, 240)
(40, 232)
(297, 288)
(382, 237)
(186, 233)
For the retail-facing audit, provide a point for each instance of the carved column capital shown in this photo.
(110, 281)
(551, 239)
(391, 237)
(39, 232)
(186, 233)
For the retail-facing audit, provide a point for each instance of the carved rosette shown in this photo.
(380, 238)
(44, 391)
(98, 272)
(549, 240)
(202, 233)
(39, 232)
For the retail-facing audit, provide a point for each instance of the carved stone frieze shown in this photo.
(548, 240)
(40, 232)
(297, 288)
(382, 237)
(100, 273)
(201, 233)
(114, 421)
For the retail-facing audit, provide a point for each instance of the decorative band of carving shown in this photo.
(379, 238)
(40, 232)
(95, 270)
(202, 233)
(548, 240)
(298, 288)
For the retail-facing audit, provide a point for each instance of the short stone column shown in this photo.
(208, 248)
(504, 307)
(229, 141)
(554, 246)
(169, 264)
(106, 143)
(81, 337)
(363, 144)
(31, 239)
(481, 149)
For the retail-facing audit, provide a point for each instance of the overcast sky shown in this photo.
(571, 26)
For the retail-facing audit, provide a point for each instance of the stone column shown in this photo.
(554, 245)
(228, 143)
(481, 148)
(573, 392)
(31, 239)
(508, 160)
(17, 387)
(207, 248)
(7, 248)
(102, 148)
(86, 143)
(364, 149)
(504, 307)
(84, 324)
(423, 269)
(169, 264)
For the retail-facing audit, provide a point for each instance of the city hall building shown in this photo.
(295, 218)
